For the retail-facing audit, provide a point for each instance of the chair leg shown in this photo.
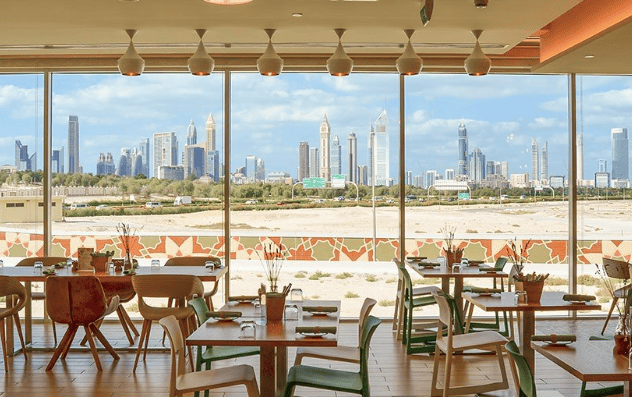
(501, 363)
(397, 303)
(448, 372)
(209, 303)
(170, 303)
(97, 332)
(65, 347)
(16, 319)
(4, 344)
(146, 324)
(123, 322)
(147, 341)
(614, 304)
(251, 388)
(434, 390)
(66, 340)
(184, 328)
(129, 321)
(85, 337)
(93, 348)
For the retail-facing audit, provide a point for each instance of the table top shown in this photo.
(279, 333)
(550, 301)
(26, 273)
(447, 272)
(588, 360)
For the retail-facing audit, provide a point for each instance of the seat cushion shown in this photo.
(325, 378)
(157, 313)
(473, 340)
(215, 378)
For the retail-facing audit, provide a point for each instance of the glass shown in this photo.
(248, 330)
(263, 320)
(155, 264)
(456, 268)
(257, 304)
(520, 297)
(38, 266)
(465, 262)
(296, 294)
(290, 313)
(1, 265)
(210, 265)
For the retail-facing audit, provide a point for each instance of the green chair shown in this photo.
(337, 380)
(214, 353)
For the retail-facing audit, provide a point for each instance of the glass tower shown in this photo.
(462, 165)
(620, 160)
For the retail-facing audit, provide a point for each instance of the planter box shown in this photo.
(532, 288)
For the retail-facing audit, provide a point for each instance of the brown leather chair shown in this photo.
(197, 261)
(78, 301)
(9, 287)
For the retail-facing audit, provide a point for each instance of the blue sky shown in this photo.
(270, 116)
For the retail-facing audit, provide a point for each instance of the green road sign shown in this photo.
(464, 196)
(338, 181)
(313, 183)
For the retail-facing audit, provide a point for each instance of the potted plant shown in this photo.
(100, 261)
(532, 284)
(453, 254)
(272, 262)
(127, 237)
(614, 286)
(518, 255)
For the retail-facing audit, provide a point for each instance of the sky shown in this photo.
(271, 115)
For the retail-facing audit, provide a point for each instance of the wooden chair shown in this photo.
(181, 382)
(350, 354)
(178, 287)
(8, 288)
(78, 301)
(40, 296)
(449, 344)
(337, 380)
(619, 270)
(197, 261)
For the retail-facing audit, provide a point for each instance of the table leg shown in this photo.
(527, 329)
(28, 315)
(267, 373)
(445, 285)
(281, 368)
(458, 289)
(626, 389)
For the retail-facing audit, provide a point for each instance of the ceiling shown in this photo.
(90, 34)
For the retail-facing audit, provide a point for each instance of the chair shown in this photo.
(78, 301)
(9, 287)
(350, 354)
(215, 353)
(181, 382)
(178, 287)
(449, 344)
(620, 270)
(197, 261)
(40, 296)
(123, 288)
(337, 380)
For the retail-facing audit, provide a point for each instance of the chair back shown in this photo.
(46, 260)
(164, 285)
(370, 325)
(615, 268)
(121, 286)
(192, 260)
(500, 263)
(178, 363)
(445, 315)
(527, 383)
(75, 300)
(200, 308)
(367, 306)
(10, 286)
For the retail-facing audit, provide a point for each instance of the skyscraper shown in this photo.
(251, 168)
(352, 159)
(314, 169)
(620, 159)
(73, 145)
(260, 173)
(490, 167)
(544, 162)
(336, 156)
(504, 170)
(580, 156)
(105, 165)
(303, 161)
(325, 158)
(211, 165)
(191, 134)
(371, 158)
(462, 165)
(144, 153)
(363, 175)
(22, 160)
(210, 133)
(195, 161)
(476, 165)
(137, 162)
(125, 163)
(431, 177)
(448, 174)
(57, 161)
(382, 173)
(535, 159)
(602, 165)
(165, 150)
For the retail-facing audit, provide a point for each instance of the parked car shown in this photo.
(340, 198)
(102, 207)
(251, 201)
(77, 206)
(153, 204)
(319, 201)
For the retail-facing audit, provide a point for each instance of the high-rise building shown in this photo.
(448, 174)
(144, 153)
(580, 157)
(363, 175)
(57, 161)
(137, 162)
(476, 165)
(195, 161)
(544, 162)
(251, 168)
(463, 160)
(22, 159)
(191, 134)
(602, 179)
(490, 168)
(352, 158)
(382, 173)
(105, 165)
(125, 163)
(210, 133)
(431, 177)
(325, 157)
(371, 158)
(165, 152)
(212, 154)
(303, 161)
(620, 159)
(336, 156)
(213, 169)
(260, 173)
(314, 165)
(504, 169)
(172, 172)
(602, 165)
(409, 177)
(73, 145)
(535, 159)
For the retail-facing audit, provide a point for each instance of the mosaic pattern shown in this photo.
(310, 248)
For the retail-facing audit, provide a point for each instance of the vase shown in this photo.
(622, 338)
(532, 288)
(100, 264)
(275, 303)
(453, 257)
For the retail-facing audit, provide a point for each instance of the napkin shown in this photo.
(60, 264)
(240, 298)
(130, 272)
(487, 269)
(417, 258)
(48, 272)
(320, 309)
(578, 298)
(481, 290)
(473, 262)
(223, 314)
(554, 338)
(316, 330)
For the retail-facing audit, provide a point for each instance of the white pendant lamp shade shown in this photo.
(201, 63)
(339, 64)
(228, 2)
(131, 64)
(477, 64)
(409, 63)
(270, 63)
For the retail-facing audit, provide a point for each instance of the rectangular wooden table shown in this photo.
(272, 338)
(550, 301)
(589, 361)
(27, 275)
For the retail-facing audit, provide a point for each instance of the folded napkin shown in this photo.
(417, 258)
(554, 338)
(223, 314)
(130, 272)
(241, 298)
(320, 309)
(481, 290)
(487, 269)
(578, 298)
(316, 330)
(48, 272)
(473, 262)
(60, 264)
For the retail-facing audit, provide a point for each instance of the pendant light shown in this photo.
(228, 2)
(477, 64)
(409, 63)
(339, 64)
(201, 63)
(131, 64)
(270, 63)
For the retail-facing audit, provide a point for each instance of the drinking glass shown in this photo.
(210, 265)
(155, 264)
(465, 262)
(1, 265)
(248, 330)
(290, 313)
(257, 304)
(38, 267)
(296, 294)
(263, 319)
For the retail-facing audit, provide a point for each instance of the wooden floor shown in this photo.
(392, 372)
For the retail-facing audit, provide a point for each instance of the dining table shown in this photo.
(505, 301)
(589, 361)
(273, 338)
(29, 275)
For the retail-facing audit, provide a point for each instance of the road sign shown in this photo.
(464, 196)
(338, 181)
(313, 183)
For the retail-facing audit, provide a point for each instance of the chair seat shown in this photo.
(325, 378)
(421, 301)
(224, 352)
(425, 290)
(215, 378)
(474, 340)
(622, 292)
(157, 313)
(340, 353)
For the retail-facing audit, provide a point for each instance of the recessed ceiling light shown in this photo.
(589, 56)
(297, 14)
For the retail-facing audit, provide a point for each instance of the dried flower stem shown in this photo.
(272, 262)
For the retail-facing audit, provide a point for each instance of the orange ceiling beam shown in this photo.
(588, 19)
